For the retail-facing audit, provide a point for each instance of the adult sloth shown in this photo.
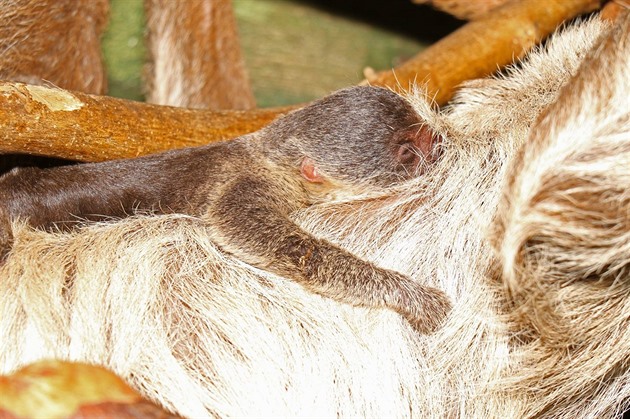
(539, 327)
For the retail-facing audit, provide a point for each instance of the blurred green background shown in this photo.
(295, 50)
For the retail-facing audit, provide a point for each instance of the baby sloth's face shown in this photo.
(368, 136)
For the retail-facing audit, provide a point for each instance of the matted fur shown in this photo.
(204, 334)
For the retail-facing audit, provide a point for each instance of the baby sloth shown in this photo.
(357, 140)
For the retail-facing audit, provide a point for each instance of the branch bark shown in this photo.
(481, 47)
(77, 126)
(53, 122)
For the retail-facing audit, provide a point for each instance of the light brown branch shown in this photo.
(77, 126)
(481, 47)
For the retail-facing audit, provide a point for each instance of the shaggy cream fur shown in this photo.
(540, 323)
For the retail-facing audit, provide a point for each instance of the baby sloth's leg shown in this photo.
(257, 230)
(328, 270)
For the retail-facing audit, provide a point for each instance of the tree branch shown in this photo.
(71, 125)
(481, 47)
(77, 126)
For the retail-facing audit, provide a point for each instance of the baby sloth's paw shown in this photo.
(427, 309)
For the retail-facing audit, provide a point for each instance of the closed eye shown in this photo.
(408, 155)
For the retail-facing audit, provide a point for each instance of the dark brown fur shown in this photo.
(357, 141)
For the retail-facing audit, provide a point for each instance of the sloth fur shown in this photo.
(524, 222)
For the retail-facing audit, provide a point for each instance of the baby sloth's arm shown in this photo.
(259, 232)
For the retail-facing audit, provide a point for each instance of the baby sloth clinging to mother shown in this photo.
(357, 140)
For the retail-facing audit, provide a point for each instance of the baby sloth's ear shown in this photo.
(416, 147)
(310, 172)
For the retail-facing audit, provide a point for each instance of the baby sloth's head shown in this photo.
(360, 136)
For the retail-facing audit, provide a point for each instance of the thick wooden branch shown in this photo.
(77, 126)
(481, 47)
